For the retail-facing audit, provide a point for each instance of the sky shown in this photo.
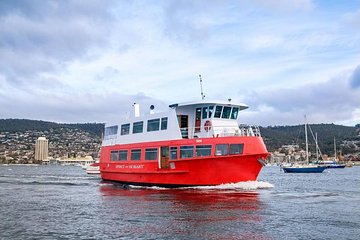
(89, 61)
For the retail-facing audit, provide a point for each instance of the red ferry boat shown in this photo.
(191, 144)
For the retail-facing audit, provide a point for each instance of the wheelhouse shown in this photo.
(182, 121)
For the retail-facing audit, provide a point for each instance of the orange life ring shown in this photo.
(207, 125)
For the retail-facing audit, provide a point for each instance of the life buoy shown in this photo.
(207, 125)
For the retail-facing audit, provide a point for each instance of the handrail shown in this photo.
(223, 131)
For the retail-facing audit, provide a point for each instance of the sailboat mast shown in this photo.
(335, 149)
(317, 147)
(307, 147)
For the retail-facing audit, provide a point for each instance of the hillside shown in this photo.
(15, 125)
(277, 136)
(274, 137)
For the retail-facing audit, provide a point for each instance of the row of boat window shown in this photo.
(220, 112)
(185, 152)
(138, 127)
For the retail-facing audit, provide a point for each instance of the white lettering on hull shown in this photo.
(140, 166)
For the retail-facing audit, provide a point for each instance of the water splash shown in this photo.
(249, 185)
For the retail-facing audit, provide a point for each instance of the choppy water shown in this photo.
(57, 202)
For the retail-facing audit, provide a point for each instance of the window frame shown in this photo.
(227, 149)
(153, 125)
(114, 156)
(125, 129)
(111, 130)
(186, 148)
(211, 111)
(132, 154)
(205, 112)
(216, 112)
(171, 150)
(152, 151)
(127, 155)
(232, 113)
(241, 149)
(226, 110)
(136, 127)
(164, 123)
(203, 147)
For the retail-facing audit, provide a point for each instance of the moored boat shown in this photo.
(305, 168)
(332, 164)
(93, 168)
(308, 168)
(191, 144)
(335, 163)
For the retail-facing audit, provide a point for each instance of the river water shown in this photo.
(62, 202)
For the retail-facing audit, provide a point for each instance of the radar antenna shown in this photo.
(201, 88)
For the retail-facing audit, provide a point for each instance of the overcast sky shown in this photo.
(88, 61)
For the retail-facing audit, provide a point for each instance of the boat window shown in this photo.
(186, 151)
(123, 155)
(183, 124)
(135, 154)
(138, 127)
(218, 110)
(211, 109)
(234, 113)
(111, 130)
(173, 153)
(114, 155)
(125, 129)
(226, 113)
(236, 148)
(203, 150)
(197, 119)
(151, 154)
(164, 122)
(222, 149)
(204, 112)
(153, 125)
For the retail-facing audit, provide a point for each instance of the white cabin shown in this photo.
(182, 121)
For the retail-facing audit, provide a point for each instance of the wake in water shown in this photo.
(249, 185)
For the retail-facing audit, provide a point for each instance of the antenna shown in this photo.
(202, 93)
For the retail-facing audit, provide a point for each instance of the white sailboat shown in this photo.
(305, 168)
(335, 163)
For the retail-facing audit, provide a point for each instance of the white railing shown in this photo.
(221, 131)
(250, 130)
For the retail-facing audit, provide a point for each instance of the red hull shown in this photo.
(197, 171)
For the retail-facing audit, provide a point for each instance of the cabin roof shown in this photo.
(210, 102)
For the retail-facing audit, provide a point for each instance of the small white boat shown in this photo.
(93, 168)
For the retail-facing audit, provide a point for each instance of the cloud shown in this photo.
(326, 102)
(42, 38)
(71, 61)
(286, 5)
(353, 19)
(72, 108)
(355, 78)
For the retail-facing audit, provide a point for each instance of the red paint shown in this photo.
(209, 170)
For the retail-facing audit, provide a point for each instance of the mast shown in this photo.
(335, 150)
(201, 88)
(306, 140)
(317, 147)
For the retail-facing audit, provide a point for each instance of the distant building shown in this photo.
(41, 149)
(80, 161)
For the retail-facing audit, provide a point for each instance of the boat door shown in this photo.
(183, 124)
(197, 119)
(164, 157)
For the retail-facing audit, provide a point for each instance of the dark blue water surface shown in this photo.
(62, 202)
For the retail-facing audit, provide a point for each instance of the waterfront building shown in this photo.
(41, 149)
(78, 161)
